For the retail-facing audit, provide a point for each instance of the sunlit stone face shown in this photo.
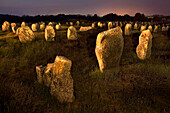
(58, 27)
(25, 34)
(143, 50)
(49, 33)
(23, 24)
(128, 28)
(5, 26)
(142, 28)
(85, 28)
(109, 48)
(110, 25)
(72, 33)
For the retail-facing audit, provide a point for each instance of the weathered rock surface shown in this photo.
(25, 34)
(109, 48)
(72, 33)
(5, 26)
(49, 33)
(62, 83)
(143, 50)
(128, 29)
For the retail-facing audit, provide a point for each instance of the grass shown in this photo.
(141, 86)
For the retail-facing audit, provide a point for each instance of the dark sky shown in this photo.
(100, 7)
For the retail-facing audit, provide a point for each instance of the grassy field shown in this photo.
(141, 86)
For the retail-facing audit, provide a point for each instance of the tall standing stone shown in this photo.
(62, 83)
(25, 34)
(72, 33)
(143, 50)
(109, 48)
(49, 33)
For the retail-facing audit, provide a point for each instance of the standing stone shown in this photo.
(142, 28)
(62, 83)
(25, 34)
(85, 28)
(42, 26)
(58, 27)
(167, 27)
(23, 24)
(128, 29)
(13, 25)
(150, 28)
(93, 25)
(72, 33)
(143, 50)
(71, 23)
(109, 48)
(110, 25)
(136, 26)
(155, 29)
(78, 23)
(49, 33)
(34, 27)
(5, 26)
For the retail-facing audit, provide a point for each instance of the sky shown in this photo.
(84, 7)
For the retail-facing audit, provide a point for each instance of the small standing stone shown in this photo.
(72, 33)
(143, 50)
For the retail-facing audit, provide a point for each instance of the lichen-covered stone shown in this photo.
(143, 50)
(109, 48)
(25, 34)
(72, 33)
(62, 83)
(49, 33)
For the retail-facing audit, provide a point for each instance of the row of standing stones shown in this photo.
(109, 48)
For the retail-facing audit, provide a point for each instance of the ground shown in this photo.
(141, 86)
